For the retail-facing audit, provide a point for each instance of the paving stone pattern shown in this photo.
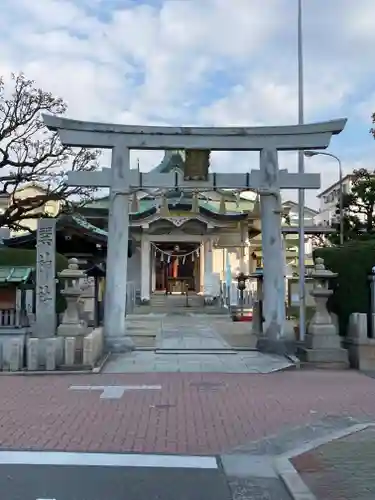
(191, 344)
(190, 333)
(342, 469)
(250, 467)
(241, 362)
(193, 413)
(293, 437)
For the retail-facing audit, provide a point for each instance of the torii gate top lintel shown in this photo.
(290, 137)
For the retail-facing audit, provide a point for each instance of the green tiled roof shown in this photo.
(15, 274)
(87, 225)
(212, 206)
(230, 207)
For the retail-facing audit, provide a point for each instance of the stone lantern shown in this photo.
(72, 325)
(238, 311)
(322, 343)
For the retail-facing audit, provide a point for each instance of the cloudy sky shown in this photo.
(203, 62)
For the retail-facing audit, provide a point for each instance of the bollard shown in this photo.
(371, 311)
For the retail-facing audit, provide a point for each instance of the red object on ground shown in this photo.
(246, 317)
(41, 413)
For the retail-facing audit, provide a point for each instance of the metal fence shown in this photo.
(9, 318)
(230, 296)
(12, 318)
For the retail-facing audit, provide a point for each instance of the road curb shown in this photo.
(288, 473)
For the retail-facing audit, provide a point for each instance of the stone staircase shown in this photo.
(178, 305)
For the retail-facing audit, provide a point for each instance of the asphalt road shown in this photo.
(66, 482)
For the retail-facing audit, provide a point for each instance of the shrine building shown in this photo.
(197, 239)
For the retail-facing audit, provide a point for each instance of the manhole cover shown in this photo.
(207, 386)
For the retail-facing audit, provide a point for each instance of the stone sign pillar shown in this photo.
(46, 279)
(145, 269)
(273, 256)
(208, 269)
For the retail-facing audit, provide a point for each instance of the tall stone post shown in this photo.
(45, 279)
(117, 253)
(273, 257)
(208, 269)
(243, 234)
(153, 272)
(202, 266)
(145, 269)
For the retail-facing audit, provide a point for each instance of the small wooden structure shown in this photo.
(97, 271)
(179, 285)
(17, 297)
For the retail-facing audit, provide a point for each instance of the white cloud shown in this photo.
(166, 62)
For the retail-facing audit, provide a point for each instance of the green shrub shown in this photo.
(21, 257)
(353, 263)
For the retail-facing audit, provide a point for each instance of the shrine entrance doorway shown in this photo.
(177, 265)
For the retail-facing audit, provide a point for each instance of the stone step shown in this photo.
(196, 351)
(324, 356)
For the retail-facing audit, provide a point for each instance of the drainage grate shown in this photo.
(207, 386)
(163, 406)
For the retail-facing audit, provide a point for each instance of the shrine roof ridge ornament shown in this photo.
(106, 135)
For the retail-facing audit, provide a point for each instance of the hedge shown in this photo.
(22, 257)
(353, 263)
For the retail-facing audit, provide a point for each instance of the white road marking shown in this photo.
(114, 391)
(106, 459)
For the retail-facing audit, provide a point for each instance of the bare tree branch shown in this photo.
(30, 154)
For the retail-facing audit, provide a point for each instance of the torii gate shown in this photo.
(121, 180)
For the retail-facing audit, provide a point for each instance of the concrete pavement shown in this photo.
(193, 344)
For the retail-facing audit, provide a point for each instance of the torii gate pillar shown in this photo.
(268, 181)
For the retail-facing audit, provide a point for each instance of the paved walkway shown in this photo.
(246, 419)
(171, 413)
(192, 344)
(342, 469)
(241, 362)
(190, 333)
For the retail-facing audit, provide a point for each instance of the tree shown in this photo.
(358, 208)
(30, 154)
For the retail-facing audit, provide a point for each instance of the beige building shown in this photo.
(30, 190)
(328, 200)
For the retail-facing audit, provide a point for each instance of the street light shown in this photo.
(301, 170)
(310, 154)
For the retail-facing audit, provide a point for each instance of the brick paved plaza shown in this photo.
(180, 413)
(341, 469)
